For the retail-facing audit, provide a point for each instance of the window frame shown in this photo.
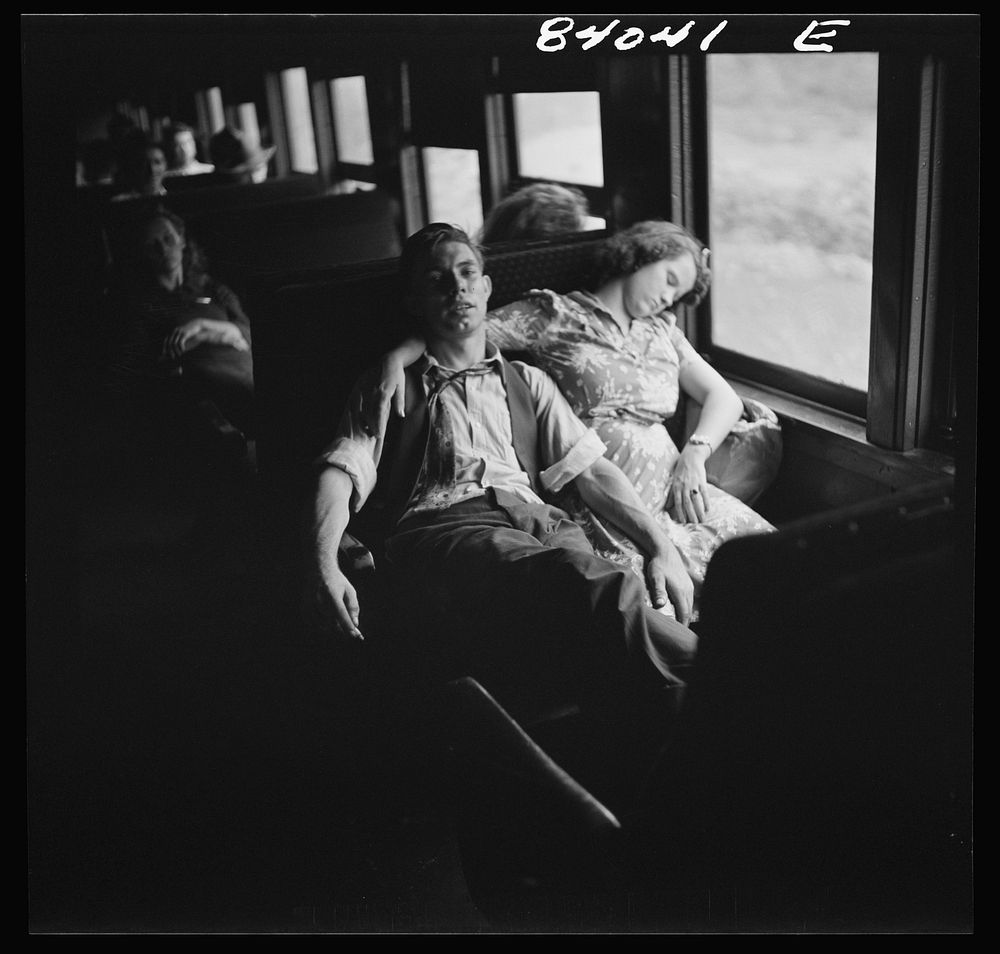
(339, 168)
(513, 75)
(898, 410)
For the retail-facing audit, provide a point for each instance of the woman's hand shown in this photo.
(687, 500)
(385, 393)
(203, 331)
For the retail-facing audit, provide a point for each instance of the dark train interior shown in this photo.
(199, 760)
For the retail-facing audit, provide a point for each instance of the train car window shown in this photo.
(352, 130)
(558, 136)
(211, 115)
(453, 186)
(792, 200)
(246, 120)
(298, 120)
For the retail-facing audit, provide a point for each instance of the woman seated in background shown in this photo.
(537, 211)
(624, 365)
(177, 342)
(141, 165)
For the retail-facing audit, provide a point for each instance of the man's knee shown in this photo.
(674, 642)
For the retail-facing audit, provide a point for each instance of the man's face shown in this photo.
(449, 292)
(163, 246)
(185, 148)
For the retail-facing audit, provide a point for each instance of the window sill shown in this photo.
(846, 437)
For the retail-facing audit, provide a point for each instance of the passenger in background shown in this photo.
(120, 128)
(177, 348)
(536, 211)
(182, 152)
(237, 157)
(98, 162)
(624, 366)
(140, 170)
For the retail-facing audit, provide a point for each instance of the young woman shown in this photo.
(623, 364)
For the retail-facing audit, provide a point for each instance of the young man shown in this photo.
(182, 152)
(465, 482)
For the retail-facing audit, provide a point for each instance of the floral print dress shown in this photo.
(624, 386)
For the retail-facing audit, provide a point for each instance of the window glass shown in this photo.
(559, 137)
(792, 187)
(453, 189)
(211, 116)
(349, 96)
(298, 116)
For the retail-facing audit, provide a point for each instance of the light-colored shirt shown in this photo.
(195, 168)
(483, 440)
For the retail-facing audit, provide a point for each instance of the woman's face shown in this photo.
(154, 166)
(163, 247)
(659, 285)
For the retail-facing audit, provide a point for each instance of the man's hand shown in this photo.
(331, 602)
(610, 494)
(667, 579)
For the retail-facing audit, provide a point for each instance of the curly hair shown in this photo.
(652, 241)
(536, 211)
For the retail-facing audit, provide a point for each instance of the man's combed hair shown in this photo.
(652, 241)
(421, 243)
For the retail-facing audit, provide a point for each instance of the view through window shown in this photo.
(792, 191)
(453, 187)
(559, 136)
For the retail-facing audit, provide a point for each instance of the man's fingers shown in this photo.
(657, 587)
(347, 613)
(682, 608)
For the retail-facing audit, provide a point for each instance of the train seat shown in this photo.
(820, 774)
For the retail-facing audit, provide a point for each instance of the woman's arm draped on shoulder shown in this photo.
(389, 390)
(514, 327)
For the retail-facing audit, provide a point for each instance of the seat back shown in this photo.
(247, 247)
(827, 738)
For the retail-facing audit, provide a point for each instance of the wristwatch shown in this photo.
(700, 439)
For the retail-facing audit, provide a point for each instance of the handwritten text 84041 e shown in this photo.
(552, 35)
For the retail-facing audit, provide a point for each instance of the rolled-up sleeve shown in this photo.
(357, 454)
(355, 460)
(567, 446)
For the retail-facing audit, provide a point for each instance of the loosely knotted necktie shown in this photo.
(438, 475)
